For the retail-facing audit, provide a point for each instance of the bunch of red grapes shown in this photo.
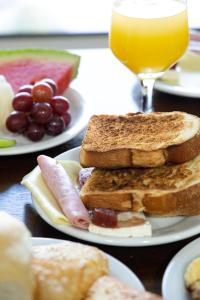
(38, 110)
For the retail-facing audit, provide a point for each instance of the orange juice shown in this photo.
(149, 36)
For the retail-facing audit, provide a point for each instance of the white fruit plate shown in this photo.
(80, 116)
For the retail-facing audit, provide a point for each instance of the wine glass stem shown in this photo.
(147, 94)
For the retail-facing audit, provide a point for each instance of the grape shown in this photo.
(67, 118)
(59, 104)
(42, 92)
(22, 101)
(52, 83)
(26, 88)
(41, 112)
(35, 132)
(17, 122)
(55, 126)
(84, 174)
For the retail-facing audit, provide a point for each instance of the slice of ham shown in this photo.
(63, 190)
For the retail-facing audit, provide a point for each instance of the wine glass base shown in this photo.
(147, 81)
(146, 108)
(150, 76)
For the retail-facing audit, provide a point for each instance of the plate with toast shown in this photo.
(143, 187)
(183, 273)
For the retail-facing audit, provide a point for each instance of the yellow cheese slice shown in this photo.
(190, 62)
(43, 196)
(187, 72)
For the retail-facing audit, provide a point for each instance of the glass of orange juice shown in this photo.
(149, 36)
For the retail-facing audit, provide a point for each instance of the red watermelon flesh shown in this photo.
(28, 71)
(27, 66)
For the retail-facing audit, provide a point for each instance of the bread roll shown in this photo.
(65, 271)
(109, 288)
(16, 280)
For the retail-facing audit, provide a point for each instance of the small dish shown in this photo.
(173, 286)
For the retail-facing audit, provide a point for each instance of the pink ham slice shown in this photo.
(63, 190)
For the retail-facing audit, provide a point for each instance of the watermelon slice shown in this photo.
(27, 66)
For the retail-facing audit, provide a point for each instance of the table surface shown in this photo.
(108, 87)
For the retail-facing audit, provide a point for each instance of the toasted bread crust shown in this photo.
(121, 202)
(145, 132)
(122, 152)
(181, 203)
(124, 158)
(185, 151)
(168, 190)
(110, 159)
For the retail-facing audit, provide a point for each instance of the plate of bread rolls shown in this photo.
(41, 269)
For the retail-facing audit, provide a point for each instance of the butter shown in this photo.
(186, 74)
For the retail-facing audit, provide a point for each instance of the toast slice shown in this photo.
(141, 140)
(168, 190)
(109, 288)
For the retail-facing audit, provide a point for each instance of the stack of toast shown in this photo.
(143, 163)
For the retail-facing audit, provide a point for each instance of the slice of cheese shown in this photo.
(186, 74)
(43, 196)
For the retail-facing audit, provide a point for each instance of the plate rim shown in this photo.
(112, 241)
(111, 259)
(174, 90)
(172, 262)
(59, 139)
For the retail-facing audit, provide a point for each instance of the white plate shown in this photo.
(80, 116)
(187, 75)
(173, 280)
(185, 91)
(117, 268)
(165, 230)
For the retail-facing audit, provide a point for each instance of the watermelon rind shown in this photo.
(54, 55)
